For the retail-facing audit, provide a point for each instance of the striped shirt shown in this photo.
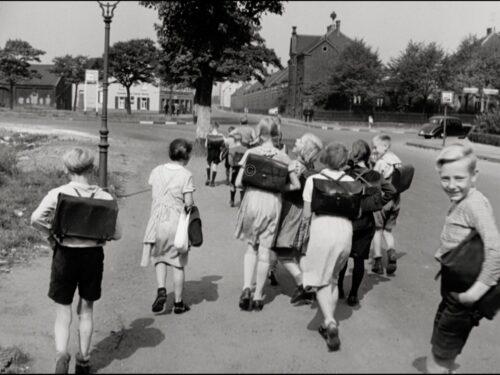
(473, 212)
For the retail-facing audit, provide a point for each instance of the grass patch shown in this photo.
(13, 360)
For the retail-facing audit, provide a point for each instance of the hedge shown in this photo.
(488, 139)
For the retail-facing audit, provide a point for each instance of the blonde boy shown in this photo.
(77, 263)
(385, 219)
(470, 209)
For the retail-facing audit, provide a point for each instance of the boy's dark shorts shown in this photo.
(386, 218)
(234, 174)
(76, 267)
(452, 326)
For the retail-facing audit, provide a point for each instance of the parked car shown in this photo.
(434, 128)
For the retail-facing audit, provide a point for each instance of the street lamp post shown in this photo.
(107, 8)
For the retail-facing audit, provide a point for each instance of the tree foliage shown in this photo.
(213, 41)
(415, 74)
(72, 69)
(132, 62)
(15, 59)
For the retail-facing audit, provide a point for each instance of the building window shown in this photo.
(132, 100)
(380, 102)
(325, 48)
(121, 102)
(144, 103)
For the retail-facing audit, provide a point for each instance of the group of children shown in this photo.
(313, 247)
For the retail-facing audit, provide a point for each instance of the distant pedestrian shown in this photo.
(214, 144)
(470, 210)
(76, 263)
(172, 192)
(235, 154)
(370, 121)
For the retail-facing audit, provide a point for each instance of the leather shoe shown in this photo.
(245, 299)
(258, 305)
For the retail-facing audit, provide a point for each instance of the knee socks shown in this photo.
(208, 173)
(357, 275)
(340, 282)
(233, 193)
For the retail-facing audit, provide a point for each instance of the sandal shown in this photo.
(181, 307)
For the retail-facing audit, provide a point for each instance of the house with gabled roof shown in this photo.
(312, 58)
(50, 90)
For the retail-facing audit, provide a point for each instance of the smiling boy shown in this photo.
(470, 209)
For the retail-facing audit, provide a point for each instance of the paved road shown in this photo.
(388, 333)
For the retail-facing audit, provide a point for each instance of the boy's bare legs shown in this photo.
(62, 327)
(178, 276)
(86, 326)
(327, 298)
(377, 252)
(161, 279)
(389, 239)
(262, 270)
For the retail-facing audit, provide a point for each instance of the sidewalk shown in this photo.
(484, 152)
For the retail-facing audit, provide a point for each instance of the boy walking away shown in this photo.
(385, 219)
(235, 154)
(228, 143)
(76, 263)
(470, 210)
(214, 144)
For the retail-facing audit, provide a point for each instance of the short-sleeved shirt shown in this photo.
(385, 164)
(247, 134)
(308, 187)
(238, 149)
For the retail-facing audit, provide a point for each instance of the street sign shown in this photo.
(447, 97)
(490, 91)
(470, 90)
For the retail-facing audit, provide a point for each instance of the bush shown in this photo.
(488, 122)
(8, 160)
(488, 139)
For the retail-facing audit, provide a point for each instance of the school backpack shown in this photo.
(265, 173)
(84, 217)
(402, 176)
(460, 268)
(195, 233)
(215, 141)
(371, 200)
(335, 197)
(237, 157)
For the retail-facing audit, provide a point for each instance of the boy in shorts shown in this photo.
(385, 219)
(76, 263)
(235, 153)
(470, 210)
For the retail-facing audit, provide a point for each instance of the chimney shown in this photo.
(489, 30)
(328, 28)
(294, 30)
(337, 26)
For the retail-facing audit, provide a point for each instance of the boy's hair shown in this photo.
(267, 128)
(215, 125)
(335, 156)
(456, 152)
(383, 138)
(360, 151)
(312, 147)
(179, 149)
(78, 160)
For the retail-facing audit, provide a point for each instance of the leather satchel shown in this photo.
(194, 229)
(265, 173)
(84, 217)
(215, 141)
(460, 268)
(402, 176)
(371, 200)
(335, 197)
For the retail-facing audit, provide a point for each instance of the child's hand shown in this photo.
(466, 299)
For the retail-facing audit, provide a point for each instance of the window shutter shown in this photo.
(138, 103)
(116, 102)
(147, 104)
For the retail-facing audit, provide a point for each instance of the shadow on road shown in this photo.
(124, 343)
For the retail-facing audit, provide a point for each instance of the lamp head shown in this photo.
(108, 7)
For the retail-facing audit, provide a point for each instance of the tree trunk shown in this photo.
(203, 97)
(170, 102)
(127, 101)
(11, 95)
(76, 96)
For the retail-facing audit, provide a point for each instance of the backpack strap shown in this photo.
(78, 193)
(359, 176)
(333, 179)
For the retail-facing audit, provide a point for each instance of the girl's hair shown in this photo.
(179, 149)
(268, 128)
(311, 147)
(78, 160)
(456, 152)
(335, 156)
(360, 151)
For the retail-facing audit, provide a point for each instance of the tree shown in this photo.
(357, 73)
(415, 74)
(213, 41)
(15, 61)
(132, 62)
(72, 69)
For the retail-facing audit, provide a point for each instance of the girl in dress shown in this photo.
(258, 217)
(329, 245)
(172, 191)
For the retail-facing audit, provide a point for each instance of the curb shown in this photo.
(350, 129)
(482, 157)
(164, 123)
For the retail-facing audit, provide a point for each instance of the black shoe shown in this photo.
(231, 203)
(82, 366)
(62, 363)
(272, 279)
(298, 294)
(331, 335)
(377, 266)
(212, 184)
(391, 261)
(180, 307)
(207, 182)
(246, 299)
(160, 302)
(258, 305)
(352, 300)
(341, 293)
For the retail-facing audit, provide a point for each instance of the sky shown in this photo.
(77, 27)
